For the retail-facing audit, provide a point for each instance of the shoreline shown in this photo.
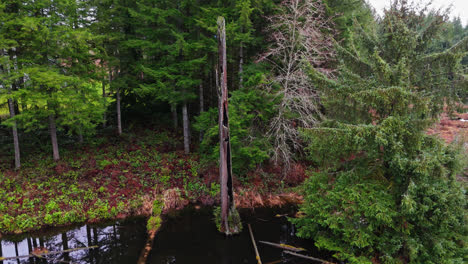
(249, 200)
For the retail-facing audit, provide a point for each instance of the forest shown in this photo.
(111, 109)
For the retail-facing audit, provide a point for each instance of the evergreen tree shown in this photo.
(55, 57)
(387, 192)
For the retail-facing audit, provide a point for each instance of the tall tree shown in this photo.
(6, 89)
(386, 191)
(230, 222)
(301, 37)
(56, 58)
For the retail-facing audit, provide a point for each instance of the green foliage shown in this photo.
(154, 222)
(250, 109)
(234, 220)
(386, 191)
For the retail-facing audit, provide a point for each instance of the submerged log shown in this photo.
(148, 247)
(257, 256)
(283, 246)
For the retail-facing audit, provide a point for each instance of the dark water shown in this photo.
(188, 236)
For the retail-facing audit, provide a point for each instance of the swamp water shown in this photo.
(187, 236)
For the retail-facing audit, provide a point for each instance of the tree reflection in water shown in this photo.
(117, 243)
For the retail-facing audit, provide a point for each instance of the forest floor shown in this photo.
(117, 177)
(451, 129)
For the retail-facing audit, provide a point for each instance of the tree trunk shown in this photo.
(16, 249)
(104, 95)
(230, 222)
(66, 256)
(11, 108)
(186, 128)
(174, 116)
(202, 108)
(15, 135)
(241, 64)
(53, 137)
(119, 119)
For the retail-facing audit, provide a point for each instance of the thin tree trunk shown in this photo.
(174, 116)
(186, 128)
(225, 168)
(15, 135)
(119, 118)
(202, 108)
(104, 95)
(11, 108)
(53, 137)
(1, 251)
(241, 64)
(66, 256)
(16, 249)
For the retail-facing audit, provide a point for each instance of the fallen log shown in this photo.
(257, 256)
(148, 246)
(307, 257)
(283, 246)
(46, 253)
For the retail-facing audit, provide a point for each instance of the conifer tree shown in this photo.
(387, 192)
(56, 59)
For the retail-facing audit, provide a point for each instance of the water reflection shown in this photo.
(117, 243)
(189, 237)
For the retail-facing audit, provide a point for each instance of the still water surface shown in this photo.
(186, 237)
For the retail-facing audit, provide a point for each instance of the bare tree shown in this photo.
(230, 221)
(186, 125)
(301, 37)
(11, 105)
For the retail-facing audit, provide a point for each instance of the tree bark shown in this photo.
(104, 96)
(15, 135)
(119, 118)
(241, 64)
(225, 168)
(174, 116)
(53, 136)
(11, 108)
(186, 128)
(202, 107)
(66, 255)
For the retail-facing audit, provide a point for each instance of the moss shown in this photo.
(153, 223)
(234, 221)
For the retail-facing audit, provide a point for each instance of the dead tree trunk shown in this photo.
(119, 117)
(53, 136)
(186, 128)
(11, 106)
(230, 221)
